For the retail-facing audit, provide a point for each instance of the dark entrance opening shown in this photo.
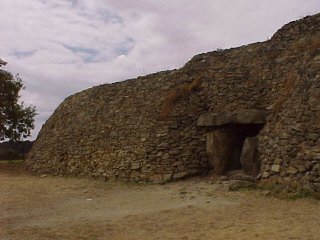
(232, 140)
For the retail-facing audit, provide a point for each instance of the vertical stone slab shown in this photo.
(223, 150)
(250, 156)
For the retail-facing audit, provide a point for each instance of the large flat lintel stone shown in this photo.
(246, 116)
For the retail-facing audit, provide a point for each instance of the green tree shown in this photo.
(16, 120)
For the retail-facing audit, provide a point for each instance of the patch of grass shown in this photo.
(304, 193)
(176, 95)
(274, 188)
(251, 187)
(283, 192)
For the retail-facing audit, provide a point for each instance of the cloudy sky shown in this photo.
(60, 47)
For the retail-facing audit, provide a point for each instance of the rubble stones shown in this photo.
(179, 175)
(292, 170)
(235, 185)
(275, 168)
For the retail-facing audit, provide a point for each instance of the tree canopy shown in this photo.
(16, 120)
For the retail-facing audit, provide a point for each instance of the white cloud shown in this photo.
(64, 46)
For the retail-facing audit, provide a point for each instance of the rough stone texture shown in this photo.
(275, 168)
(250, 156)
(244, 116)
(238, 184)
(233, 143)
(239, 175)
(114, 130)
(224, 149)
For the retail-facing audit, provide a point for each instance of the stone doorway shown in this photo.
(232, 140)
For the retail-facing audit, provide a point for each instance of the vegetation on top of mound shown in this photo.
(178, 94)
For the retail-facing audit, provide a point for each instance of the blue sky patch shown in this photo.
(88, 54)
(109, 17)
(125, 47)
(23, 54)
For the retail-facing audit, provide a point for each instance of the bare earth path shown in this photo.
(66, 208)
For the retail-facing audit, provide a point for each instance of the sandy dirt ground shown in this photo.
(36, 208)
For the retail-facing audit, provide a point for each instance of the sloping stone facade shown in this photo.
(116, 130)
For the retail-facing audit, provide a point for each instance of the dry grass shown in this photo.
(176, 95)
(68, 208)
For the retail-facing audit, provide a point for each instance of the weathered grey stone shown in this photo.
(223, 149)
(159, 154)
(247, 116)
(224, 178)
(275, 168)
(241, 176)
(265, 174)
(165, 156)
(238, 184)
(292, 170)
(135, 166)
(179, 175)
(313, 136)
(175, 151)
(250, 156)
(301, 168)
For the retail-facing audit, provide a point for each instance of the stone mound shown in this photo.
(118, 131)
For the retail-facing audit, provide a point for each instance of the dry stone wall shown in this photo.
(115, 131)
